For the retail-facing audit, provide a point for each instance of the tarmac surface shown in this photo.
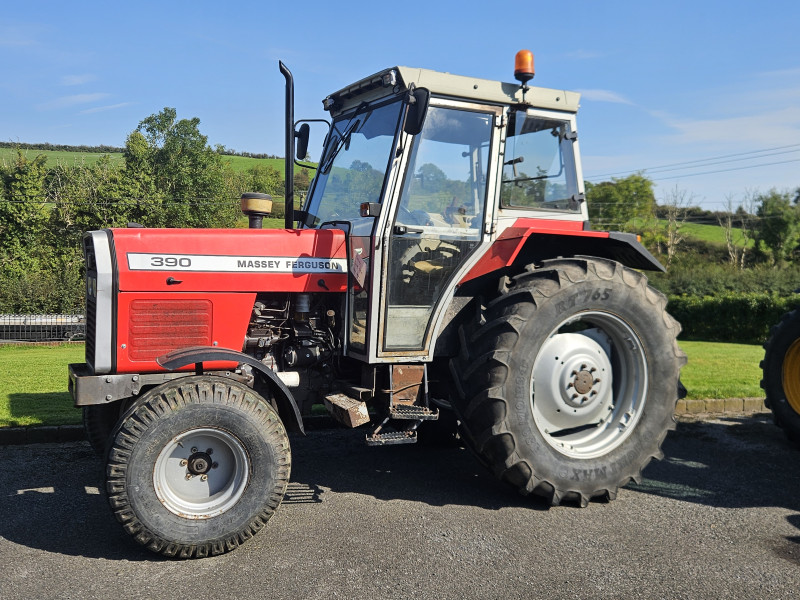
(718, 517)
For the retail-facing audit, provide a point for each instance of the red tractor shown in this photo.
(442, 264)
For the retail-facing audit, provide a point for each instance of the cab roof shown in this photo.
(396, 79)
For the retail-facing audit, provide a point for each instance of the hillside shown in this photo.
(68, 158)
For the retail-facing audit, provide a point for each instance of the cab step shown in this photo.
(392, 437)
(412, 412)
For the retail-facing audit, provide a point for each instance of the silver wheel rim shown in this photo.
(589, 387)
(201, 473)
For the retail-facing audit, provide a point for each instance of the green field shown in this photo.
(713, 234)
(33, 379)
(55, 157)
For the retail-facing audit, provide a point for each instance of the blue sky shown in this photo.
(702, 86)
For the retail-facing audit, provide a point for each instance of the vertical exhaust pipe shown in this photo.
(289, 160)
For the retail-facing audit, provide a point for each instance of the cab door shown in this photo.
(438, 222)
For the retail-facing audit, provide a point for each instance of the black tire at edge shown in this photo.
(781, 338)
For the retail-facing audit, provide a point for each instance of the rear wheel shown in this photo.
(197, 466)
(781, 371)
(98, 423)
(569, 379)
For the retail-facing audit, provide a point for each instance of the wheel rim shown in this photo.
(589, 386)
(791, 375)
(201, 473)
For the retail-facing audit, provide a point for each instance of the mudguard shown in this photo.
(287, 407)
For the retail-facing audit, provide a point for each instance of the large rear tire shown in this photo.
(197, 466)
(568, 380)
(781, 371)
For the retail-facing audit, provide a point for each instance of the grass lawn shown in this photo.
(33, 385)
(33, 379)
(718, 370)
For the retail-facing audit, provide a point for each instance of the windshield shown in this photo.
(354, 164)
(534, 175)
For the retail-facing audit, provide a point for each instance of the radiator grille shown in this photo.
(91, 300)
(156, 327)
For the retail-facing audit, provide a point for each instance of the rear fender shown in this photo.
(518, 246)
(286, 404)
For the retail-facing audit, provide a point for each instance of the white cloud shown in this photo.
(66, 101)
(765, 129)
(98, 109)
(13, 37)
(604, 96)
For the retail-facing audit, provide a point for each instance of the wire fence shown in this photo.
(42, 328)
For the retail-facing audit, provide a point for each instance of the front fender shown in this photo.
(197, 355)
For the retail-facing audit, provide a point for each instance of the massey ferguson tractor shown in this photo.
(442, 264)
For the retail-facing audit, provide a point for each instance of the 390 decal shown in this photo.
(171, 261)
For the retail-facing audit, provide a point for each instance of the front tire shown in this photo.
(781, 374)
(197, 466)
(569, 379)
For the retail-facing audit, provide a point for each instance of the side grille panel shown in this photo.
(156, 327)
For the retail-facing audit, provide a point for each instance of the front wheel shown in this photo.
(569, 379)
(197, 466)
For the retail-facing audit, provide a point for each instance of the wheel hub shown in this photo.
(571, 381)
(583, 381)
(199, 463)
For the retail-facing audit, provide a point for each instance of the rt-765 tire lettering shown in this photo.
(595, 295)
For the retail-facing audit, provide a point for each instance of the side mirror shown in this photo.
(302, 141)
(418, 100)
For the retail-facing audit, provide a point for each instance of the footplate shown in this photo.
(392, 437)
(411, 412)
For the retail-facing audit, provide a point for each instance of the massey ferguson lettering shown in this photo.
(138, 261)
(312, 266)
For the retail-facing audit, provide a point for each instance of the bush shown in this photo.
(743, 318)
(704, 279)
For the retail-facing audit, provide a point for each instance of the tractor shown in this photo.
(441, 271)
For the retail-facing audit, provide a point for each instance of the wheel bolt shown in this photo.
(188, 476)
(194, 449)
(210, 451)
(203, 477)
(184, 462)
(214, 465)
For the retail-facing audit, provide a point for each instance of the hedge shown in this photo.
(743, 318)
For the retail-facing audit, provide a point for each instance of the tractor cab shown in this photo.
(423, 171)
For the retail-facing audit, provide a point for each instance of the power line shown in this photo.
(782, 162)
(699, 163)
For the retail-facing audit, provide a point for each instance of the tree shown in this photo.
(621, 203)
(729, 220)
(675, 204)
(190, 174)
(778, 227)
(23, 213)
